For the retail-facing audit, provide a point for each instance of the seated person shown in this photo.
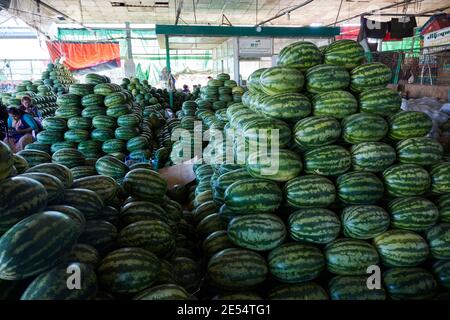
(20, 129)
(27, 106)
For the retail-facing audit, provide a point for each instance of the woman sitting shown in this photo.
(27, 106)
(20, 129)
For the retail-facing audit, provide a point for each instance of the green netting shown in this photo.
(411, 44)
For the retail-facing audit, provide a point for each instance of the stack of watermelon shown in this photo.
(128, 241)
(57, 78)
(356, 184)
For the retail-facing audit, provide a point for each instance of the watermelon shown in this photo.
(141, 211)
(329, 160)
(128, 270)
(6, 161)
(163, 292)
(372, 156)
(381, 101)
(406, 180)
(314, 225)
(20, 163)
(91, 100)
(215, 242)
(81, 89)
(295, 262)
(128, 120)
(353, 288)
(36, 244)
(85, 200)
(289, 107)
(420, 151)
(145, 185)
(35, 157)
(350, 256)
(301, 55)
(113, 146)
(363, 127)
(90, 148)
(102, 135)
(401, 248)
(277, 80)
(68, 157)
(257, 232)
(111, 167)
(444, 208)
(310, 191)
(99, 234)
(93, 111)
(236, 269)
(317, 131)
(370, 75)
(53, 186)
(53, 284)
(49, 137)
(359, 188)
(364, 221)
(63, 145)
(105, 187)
(54, 124)
(345, 53)
(441, 270)
(438, 238)
(280, 166)
(413, 213)
(253, 195)
(115, 99)
(409, 284)
(409, 124)
(79, 123)
(73, 213)
(253, 81)
(325, 78)
(59, 171)
(440, 178)
(338, 104)
(76, 135)
(301, 291)
(104, 122)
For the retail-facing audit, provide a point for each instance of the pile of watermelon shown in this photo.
(57, 78)
(127, 240)
(357, 184)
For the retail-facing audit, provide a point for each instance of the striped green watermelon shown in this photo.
(85, 200)
(210, 224)
(314, 225)
(49, 137)
(295, 262)
(409, 284)
(277, 80)
(113, 146)
(369, 76)
(20, 197)
(76, 135)
(440, 178)
(310, 191)
(99, 234)
(329, 160)
(93, 111)
(420, 151)
(301, 55)
(215, 242)
(117, 111)
(253, 195)
(372, 156)
(145, 184)
(92, 100)
(54, 124)
(280, 166)
(79, 123)
(128, 120)
(353, 288)
(128, 270)
(345, 53)
(73, 213)
(338, 104)
(409, 124)
(105, 187)
(289, 107)
(325, 78)
(36, 244)
(413, 213)
(364, 221)
(35, 157)
(111, 167)
(401, 248)
(301, 291)
(363, 127)
(83, 171)
(359, 188)
(90, 148)
(85, 254)
(20, 163)
(405, 180)
(236, 269)
(187, 273)
(39, 147)
(69, 100)
(163, 292)
(153, 235)
(81, 89)
(102, 134)
(63, 145)
(53, 186)
(381, 101)
(6, 161)
(257, 232)
(253, 81)
(59, 171)
(316, 131)
(53, 284)
(104, 122)
(438, 238)
(115, 99)
(141, 211)
(350, 256)
(106, 89)
(444, 208)
(441, 271)
(68, 157)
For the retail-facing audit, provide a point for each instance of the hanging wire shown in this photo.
(338, 13)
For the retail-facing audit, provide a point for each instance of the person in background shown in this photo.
(186, 89)
(27, 106)
(3, 121)
(20, 129)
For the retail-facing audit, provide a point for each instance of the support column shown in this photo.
(236, 66)
(169, 70)
(130, 66)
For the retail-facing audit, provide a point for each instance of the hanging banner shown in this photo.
(437, 38)
(86, 56)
